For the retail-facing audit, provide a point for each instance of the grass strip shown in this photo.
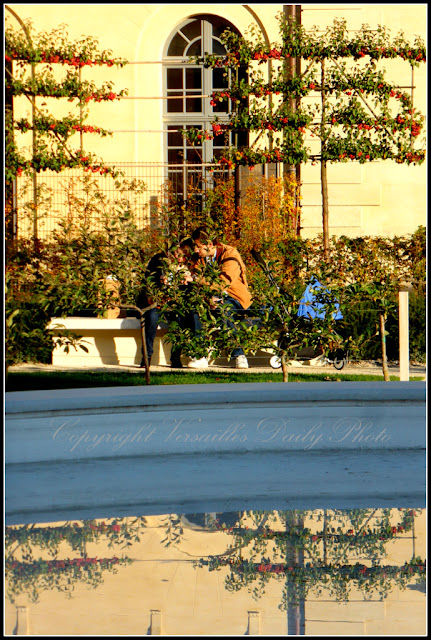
(27, 381)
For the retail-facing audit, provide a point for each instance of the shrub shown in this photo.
(417, 324)
(67, 274)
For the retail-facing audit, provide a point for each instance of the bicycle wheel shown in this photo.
(338, 364)
(275, 362)
(340, 359)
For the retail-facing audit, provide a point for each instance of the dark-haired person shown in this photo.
(157, 272)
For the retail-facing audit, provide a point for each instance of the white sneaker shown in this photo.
(198, 364)
(241, 362)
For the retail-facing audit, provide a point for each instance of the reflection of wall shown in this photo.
(161, 590)
(403, 612)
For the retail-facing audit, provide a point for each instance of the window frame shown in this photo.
(207, 113)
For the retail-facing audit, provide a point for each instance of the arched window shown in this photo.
(186, 106)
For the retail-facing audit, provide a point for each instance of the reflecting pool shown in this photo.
(316, 572)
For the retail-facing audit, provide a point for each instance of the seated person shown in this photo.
(159, 271)
(235, 296)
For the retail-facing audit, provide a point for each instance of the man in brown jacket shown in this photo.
(235, 295)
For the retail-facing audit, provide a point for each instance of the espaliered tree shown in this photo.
(40, 66)
(35, 555)
(321, 552)
(352, 110)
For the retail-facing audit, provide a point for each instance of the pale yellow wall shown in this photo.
(377, 198)
(196, 602)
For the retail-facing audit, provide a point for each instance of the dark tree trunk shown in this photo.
(323, 171)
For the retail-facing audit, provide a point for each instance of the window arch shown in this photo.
(188, 88)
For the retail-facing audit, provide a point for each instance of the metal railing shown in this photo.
(75, 195)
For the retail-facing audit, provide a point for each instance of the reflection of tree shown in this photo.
(174, 529)
(26, 573)
(321, 557)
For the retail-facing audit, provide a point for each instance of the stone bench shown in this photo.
(117, 341)
(108, 340)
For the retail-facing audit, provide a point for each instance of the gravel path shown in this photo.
(360, 368)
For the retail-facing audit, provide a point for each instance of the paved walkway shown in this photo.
(416, 370)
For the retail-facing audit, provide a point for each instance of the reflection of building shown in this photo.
(165, 94)
(162, 593)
